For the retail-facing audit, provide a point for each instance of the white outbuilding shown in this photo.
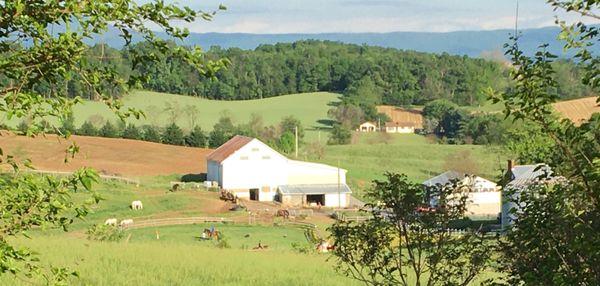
(252, 170)
(484, 199)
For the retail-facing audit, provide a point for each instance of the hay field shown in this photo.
(578, 110)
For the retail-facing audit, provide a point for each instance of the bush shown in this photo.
(340, 135)
(22, 127)
(109, 130)
(173, 135)
(87, 129)
(151, 134)
(68, 125)
(102, 232)
(196, 138)
(132, 132)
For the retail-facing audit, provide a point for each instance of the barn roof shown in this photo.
(525, 175)
(225, 150)
(317, 189)
(400, 124)
(444, 178)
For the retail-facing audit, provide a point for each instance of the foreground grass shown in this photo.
(171, 263)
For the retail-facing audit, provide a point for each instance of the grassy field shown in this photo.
(373, 154)
(181, 263)
(309, 108)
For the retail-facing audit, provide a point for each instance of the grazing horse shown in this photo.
(210, 234)
(283, 213)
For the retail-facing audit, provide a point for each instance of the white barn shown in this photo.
(252, 170)
(400, 127)
(485, 198)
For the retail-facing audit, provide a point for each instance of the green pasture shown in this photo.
(373, 154)
(179, 263)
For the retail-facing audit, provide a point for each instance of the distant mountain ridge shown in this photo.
(469, 43)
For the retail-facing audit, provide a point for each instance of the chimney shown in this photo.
(511, 165)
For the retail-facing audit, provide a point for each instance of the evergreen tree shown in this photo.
(68, 124)
(173, 135)
(87, 129)
(340, 135)
(131, 132)
(196, 138)
(222, 132)
(151, 134)
(109, 130)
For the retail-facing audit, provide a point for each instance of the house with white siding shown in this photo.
(484, 198)
(252, 170)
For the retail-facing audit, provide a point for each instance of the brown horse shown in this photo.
(283, 213)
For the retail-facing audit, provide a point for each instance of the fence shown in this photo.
(105, 177)
(176, 221)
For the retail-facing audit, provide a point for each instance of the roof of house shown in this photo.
(369, 123)
(444, 178)
(525, 175)
(400, 124)
(225, 150)
(317, 189)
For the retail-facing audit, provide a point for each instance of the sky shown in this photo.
(354, 16)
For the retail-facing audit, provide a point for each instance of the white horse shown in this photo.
(111, 221)
(126, 222)
(136, 205)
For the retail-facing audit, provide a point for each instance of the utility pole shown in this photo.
(296, 133)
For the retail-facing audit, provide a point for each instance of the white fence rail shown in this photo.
(105, 177)
(176, 221)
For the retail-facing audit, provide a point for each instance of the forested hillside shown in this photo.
(369, 74)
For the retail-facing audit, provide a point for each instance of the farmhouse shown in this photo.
(519, 178)
(367, 127)
(251, 169)
(401, 120)
(400, 127)
(485, 198)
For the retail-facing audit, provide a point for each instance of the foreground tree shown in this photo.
(555, 236)
(35, 55)
(406, 242)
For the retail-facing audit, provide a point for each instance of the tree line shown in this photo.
(280, 136)
(366, 75)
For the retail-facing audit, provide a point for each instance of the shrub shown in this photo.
(151, 134)
(102, 232)
(173, 135)
(132, 132)
(340, 135)
(68, 125)
(109, 130)
(88, 129)
(196, 138)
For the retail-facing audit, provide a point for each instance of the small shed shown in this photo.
(367, 127)
(326, 195)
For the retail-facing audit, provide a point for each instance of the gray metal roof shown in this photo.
(525, 175)
(316, 189)
(444, 178)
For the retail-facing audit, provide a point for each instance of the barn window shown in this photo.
(244, 158)
(266, 157)
(254, 149)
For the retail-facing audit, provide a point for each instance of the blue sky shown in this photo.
(319, 16)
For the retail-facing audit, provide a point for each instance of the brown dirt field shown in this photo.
(121, 157)
(578, 110)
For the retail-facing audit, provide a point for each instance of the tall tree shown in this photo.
(407, 242)
(554, 239)
(35, 55)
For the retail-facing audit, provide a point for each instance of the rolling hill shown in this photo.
(578, 110)
(470, 43)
